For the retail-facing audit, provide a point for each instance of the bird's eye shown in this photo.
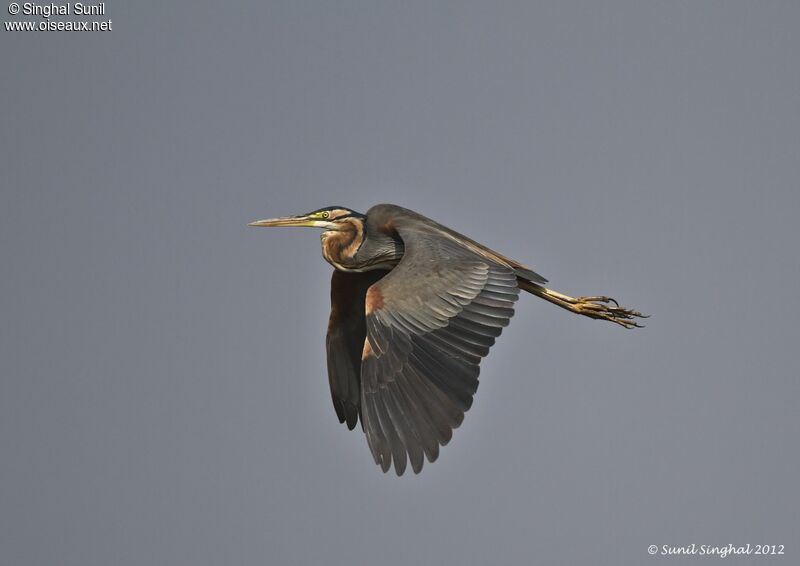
(325, 215)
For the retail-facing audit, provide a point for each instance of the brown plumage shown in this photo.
(415, 306)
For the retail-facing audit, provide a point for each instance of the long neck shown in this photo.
(339, 247)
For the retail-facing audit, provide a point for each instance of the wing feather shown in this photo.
(441, 309)
(345, 341)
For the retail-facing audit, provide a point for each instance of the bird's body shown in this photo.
(415, 306)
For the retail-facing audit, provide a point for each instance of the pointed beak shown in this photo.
(285, 221)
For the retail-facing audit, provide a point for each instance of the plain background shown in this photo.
(163, 393)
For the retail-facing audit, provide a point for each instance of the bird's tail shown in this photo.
(600, 308)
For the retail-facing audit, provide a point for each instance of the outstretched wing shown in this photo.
(429, 322)
(345, 340)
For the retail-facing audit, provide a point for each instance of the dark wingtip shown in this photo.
(339, 408)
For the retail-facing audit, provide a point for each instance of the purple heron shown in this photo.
(415, 306)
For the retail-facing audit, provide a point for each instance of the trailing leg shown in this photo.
(600, 308)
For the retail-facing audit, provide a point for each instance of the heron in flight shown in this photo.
(415, 306)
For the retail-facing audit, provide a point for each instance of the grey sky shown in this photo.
(163, 394)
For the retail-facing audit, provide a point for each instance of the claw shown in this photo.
(600, 308)
(598, 299)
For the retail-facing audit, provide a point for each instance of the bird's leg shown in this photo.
(601, 308)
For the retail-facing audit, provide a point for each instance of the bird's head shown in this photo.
(343, 232)
(329, 218)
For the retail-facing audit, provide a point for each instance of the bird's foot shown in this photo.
(606, 308)
(598, 307)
